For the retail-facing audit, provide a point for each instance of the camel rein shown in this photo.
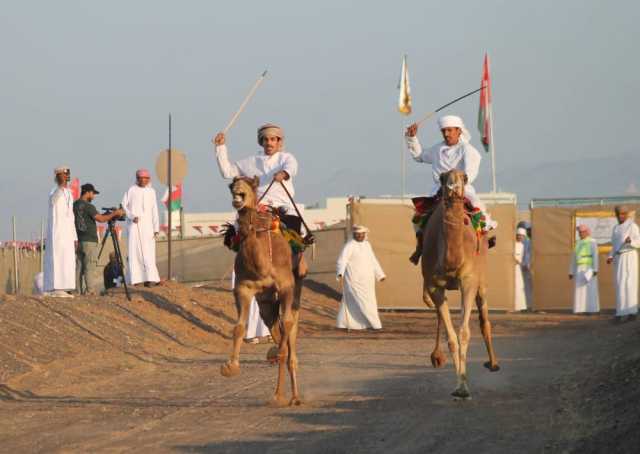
(295, 207)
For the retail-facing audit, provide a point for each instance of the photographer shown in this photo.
(86, 216)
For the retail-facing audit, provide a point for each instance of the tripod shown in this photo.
(116, 248)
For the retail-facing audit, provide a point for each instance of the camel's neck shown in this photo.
(453, 228)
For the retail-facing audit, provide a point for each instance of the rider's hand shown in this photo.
(412, 130)
(281, 176)
(219, 139)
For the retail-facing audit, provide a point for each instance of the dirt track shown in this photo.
(107, 375)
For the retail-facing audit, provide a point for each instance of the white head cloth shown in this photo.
(521, 231)
(453, 121)
(359, 229)
(60, 169)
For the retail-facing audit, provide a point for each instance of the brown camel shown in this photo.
(263, 268)
(453, 256)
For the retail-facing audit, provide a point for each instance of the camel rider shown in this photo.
(454, 152)
(273, 163)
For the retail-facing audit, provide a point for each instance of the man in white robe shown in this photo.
(625, 241)
(584, 272)
(141, 207)
(272, 164)
(358, 269)
(454, 152)
(521, 263)
(60, 248)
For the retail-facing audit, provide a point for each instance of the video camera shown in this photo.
(109, 210)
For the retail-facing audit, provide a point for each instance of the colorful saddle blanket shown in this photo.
(232, 238)
(425, 206)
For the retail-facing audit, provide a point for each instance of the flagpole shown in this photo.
(493, 151)
(169, 205)
(403, 165)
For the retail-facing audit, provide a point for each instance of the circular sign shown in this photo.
(178, 166)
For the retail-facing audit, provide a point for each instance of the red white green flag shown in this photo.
(176, 198)
(484, 112)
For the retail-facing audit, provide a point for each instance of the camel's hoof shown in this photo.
(295, 402)
(438, 359)
(230, 369)
(462, 392)
(492, 367)
(272, 355)
(278, 402)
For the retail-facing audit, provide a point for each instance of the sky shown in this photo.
(91, 84)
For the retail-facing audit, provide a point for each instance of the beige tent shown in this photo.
(553, 223)
(393, 241)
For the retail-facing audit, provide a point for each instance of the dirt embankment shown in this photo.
(101, 374)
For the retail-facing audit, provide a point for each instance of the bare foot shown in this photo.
(230, 369)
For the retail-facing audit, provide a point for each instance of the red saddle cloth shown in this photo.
(424, 205)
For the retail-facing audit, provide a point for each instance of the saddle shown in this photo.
(425, 206)
(267, 219)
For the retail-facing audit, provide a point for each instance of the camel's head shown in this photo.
(453, 183)
(243, 191)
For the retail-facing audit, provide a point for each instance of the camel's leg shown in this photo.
(283, 350)
(485, 327)
(293, 360)
(445, 316)
(469, 291)
(270, 314)
(243, 298)
(438, 358)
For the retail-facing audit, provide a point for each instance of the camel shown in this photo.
(263, 268)
(454, 256)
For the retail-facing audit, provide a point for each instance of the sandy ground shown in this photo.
(105, 375)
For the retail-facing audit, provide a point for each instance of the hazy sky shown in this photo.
(90, 84)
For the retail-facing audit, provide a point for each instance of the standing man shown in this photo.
(86, 216)
(141, 207)
(584, 272)
(59, 257)
(358, 270)
(454, 152)
(273, 163)
(625, 240)
(521, 263)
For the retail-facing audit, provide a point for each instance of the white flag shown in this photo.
(404, 102)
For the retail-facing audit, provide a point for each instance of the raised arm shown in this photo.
(228, 169)
(414, 147)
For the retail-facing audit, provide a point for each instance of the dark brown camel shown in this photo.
(263, 268)
(454, 256)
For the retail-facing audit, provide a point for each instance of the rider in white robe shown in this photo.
(359, 270)
(143, 225)
(584, 272)
(625, 240)
(60, 251)
(443, 158)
